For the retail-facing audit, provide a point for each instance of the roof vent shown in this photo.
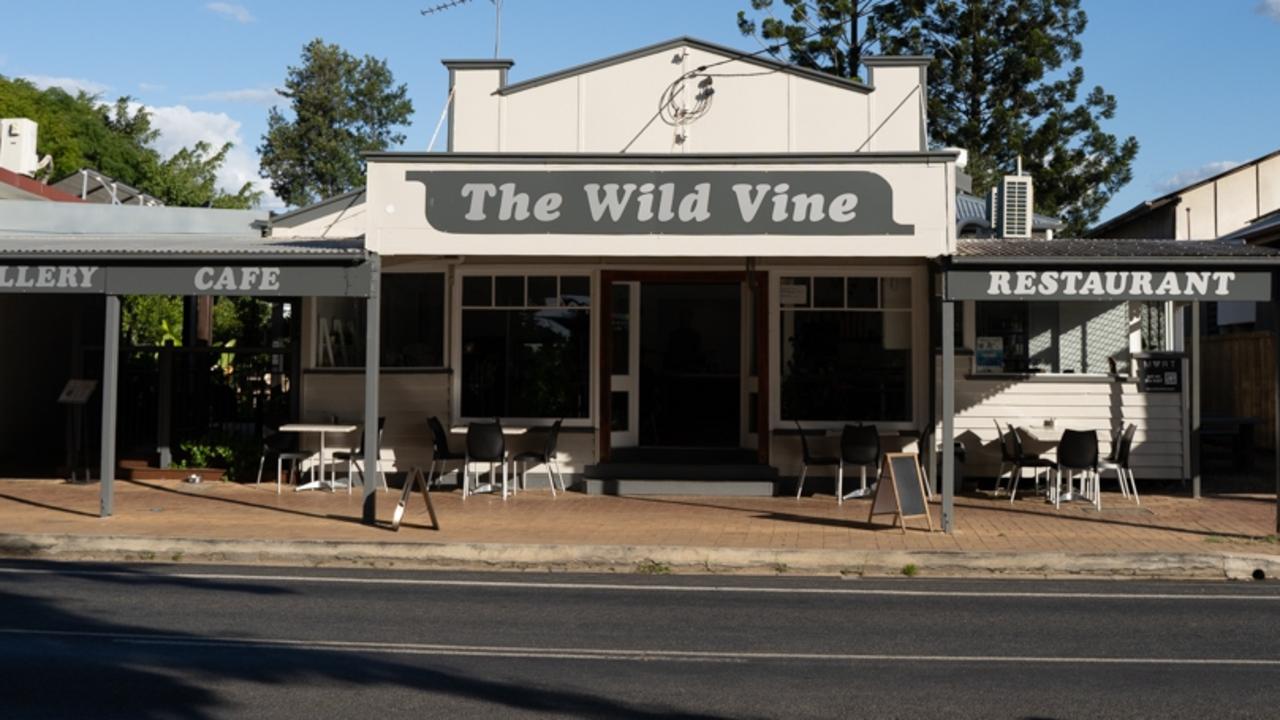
(1012, 202)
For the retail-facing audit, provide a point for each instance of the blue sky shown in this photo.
(1196, 81)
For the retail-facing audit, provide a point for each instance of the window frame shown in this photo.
(1133, 331)
(313, 327)
(526, 271)
(918, 406)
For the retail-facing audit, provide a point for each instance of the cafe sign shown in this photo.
(246, 280)
(1185, 285)
(669, 202)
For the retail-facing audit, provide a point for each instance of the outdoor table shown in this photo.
(506, 430)
(323, 429)
(1239, 430)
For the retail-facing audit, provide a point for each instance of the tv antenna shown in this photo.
(497, 18)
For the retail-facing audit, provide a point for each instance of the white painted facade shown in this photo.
(760, 119)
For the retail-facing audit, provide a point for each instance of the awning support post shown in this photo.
(1275, 334)
(948, 414)
(372, 357)
(1196, 374)
(110, 373)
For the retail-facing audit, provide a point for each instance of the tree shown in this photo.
(79, 131)
(341, 106)
(822, 34)
(1005, 82)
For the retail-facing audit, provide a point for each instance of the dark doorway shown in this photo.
(690, 364)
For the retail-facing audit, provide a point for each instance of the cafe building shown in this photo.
(692, 258)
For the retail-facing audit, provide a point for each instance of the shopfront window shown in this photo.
(1046, 337)
(526, 346)
(846, 348)
(412, 324)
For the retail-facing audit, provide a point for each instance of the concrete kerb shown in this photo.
(655, 559)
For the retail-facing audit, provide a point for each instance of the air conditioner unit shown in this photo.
(1012, 203)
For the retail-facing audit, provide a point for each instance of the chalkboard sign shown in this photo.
(411, 481)
(1159, 372)
(901, 491)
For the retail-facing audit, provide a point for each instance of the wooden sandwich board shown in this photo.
(900, 491)
(412, 480)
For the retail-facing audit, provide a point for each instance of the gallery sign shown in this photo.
(256, 280)
(1187, 285)
(669, 202)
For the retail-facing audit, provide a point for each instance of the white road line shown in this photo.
(623, 654)
(626, 587)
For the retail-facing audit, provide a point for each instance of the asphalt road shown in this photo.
(103, 641)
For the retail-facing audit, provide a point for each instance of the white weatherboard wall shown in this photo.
(609, 106)
(1097, 404)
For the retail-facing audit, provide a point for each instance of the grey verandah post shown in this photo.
(110, 373)
(372, 357)
(1275, 408)
(948, 414)
(1196, 374)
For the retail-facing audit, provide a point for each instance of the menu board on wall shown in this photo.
(1160, 372)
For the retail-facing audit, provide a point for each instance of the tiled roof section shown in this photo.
(1084, 248)
(162, 247)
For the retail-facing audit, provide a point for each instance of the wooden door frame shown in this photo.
(605, 355)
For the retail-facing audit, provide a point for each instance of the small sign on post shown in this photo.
(413, 480)
(901, 491)
(1159, 372)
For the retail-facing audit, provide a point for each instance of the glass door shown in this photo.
(624, 358)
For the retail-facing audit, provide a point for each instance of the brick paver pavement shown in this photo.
(1238, 523)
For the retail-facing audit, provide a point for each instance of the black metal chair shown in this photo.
(860, 447)
(809, 459)
(284, 448)
(486, 444)
(531, 458)
(1078, 453)
(441, 452)
(1118, 460)
(1023, 460)
(353, 457)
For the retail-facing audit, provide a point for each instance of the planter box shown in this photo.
(133, 472)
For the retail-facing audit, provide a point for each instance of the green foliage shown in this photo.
(341, 106)
(910, 570)
(238, 456)
(79, 131)
(1004, 82)
(151, 319)
(818, 34)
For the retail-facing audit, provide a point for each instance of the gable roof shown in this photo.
(1161, 201)
(753, 58)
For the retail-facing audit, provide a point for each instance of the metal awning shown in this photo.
(191, 264)
(115, 264)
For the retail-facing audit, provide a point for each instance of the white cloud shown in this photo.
(256, 96)
(180, 127)
(1183, 178)
(1270, 8)
(239, 13)
(70, 84)
(150, 87)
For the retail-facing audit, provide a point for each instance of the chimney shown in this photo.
(475, 109)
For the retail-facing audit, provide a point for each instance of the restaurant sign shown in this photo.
(258, 280)
(1188, 285)
(671, 202)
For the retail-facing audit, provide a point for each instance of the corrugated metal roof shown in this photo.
(161, 247)
(1083, 250)
(972, 210)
